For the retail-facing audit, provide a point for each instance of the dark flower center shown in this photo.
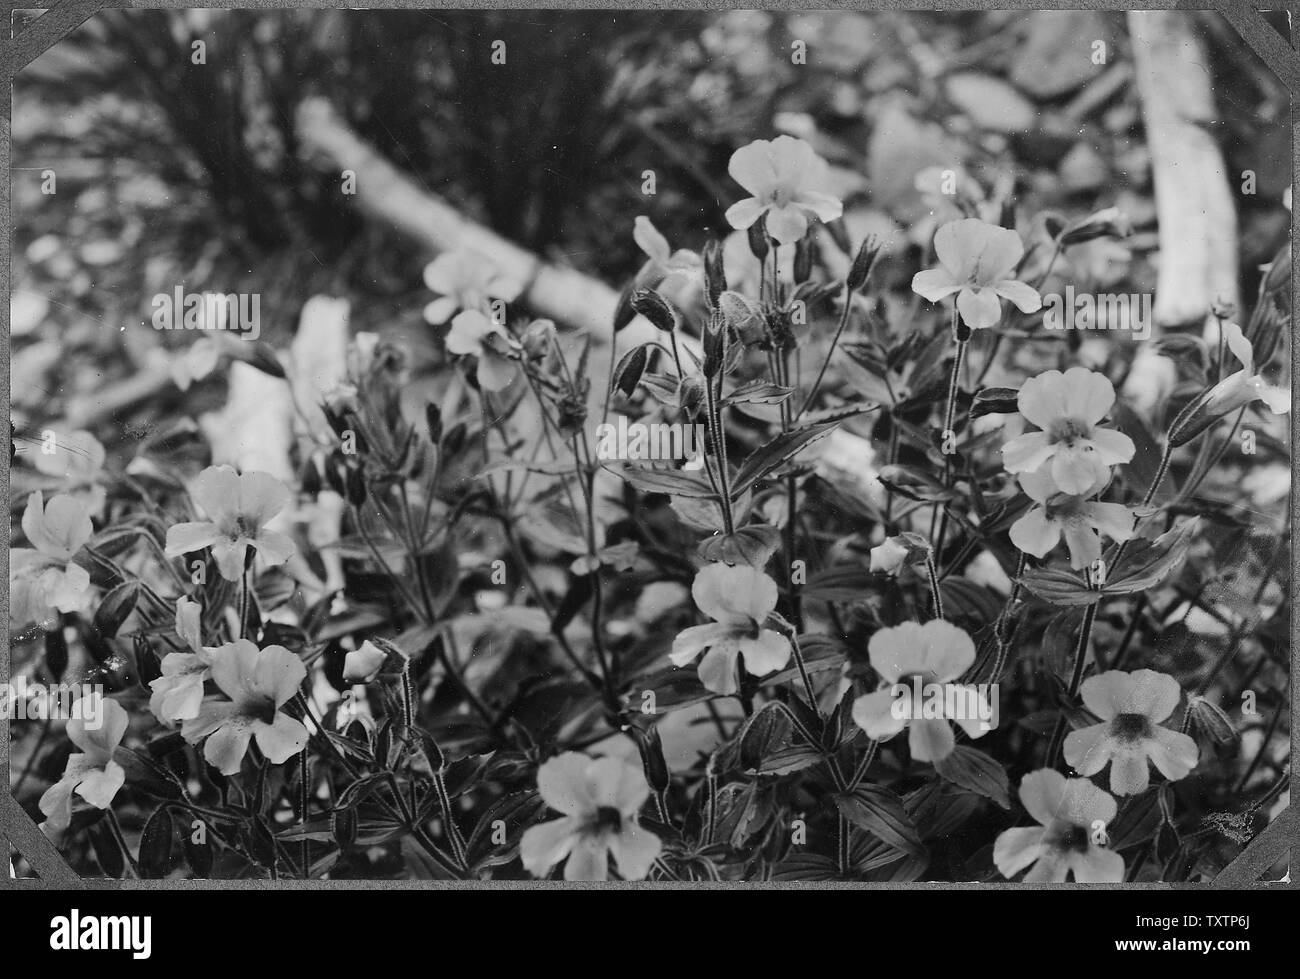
(1063, 506)
(608, 818)
(1069, 430)
(260, 709)
(1072, 838)
(1130, 727)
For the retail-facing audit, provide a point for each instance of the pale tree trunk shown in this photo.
(1193, 190)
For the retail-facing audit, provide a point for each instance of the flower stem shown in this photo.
(1076, 680)
(304, 801)
(860, 772)
(934, 586)
(803, 671)
(839, 329)
(245, 593)
(115, 828)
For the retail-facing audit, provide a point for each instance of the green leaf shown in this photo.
(753, 545)
(938, 810)
(972, 769)
(343, 826)
(771, 455)
(674, 482)
(757, 393)
(56, 653)
(107, 852)
(836, 414)
(1148, 563)
(157, 856)
(765, 733)
(881, 813)
(994, 401)
(627, 375)
(512, 814)
(841, 583)
(783, 761)
(197, 854)
(115, 608)
(1059, 587)
(144, 774)
(805, 867)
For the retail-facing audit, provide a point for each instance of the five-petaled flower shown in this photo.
(1131, 707)
(1068, 408)
(178, 693)
(666, 269)
(739, 600)
(258, 683)
(43, 579)
(600, 799)
(1080, 519)
(787, 178)
(1245, 386)
(76, 461)
(239, 506)
(90, 773)
(976, 261)
(937, 653)
(474, 334)
(1073, 816)
(464, 280)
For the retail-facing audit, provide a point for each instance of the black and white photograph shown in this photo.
(661, 448)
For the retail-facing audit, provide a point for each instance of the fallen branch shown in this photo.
(565, 295)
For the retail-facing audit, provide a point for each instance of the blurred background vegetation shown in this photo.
(174, 172)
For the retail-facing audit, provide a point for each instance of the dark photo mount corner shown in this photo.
(27, 33)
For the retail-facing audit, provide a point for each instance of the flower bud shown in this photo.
(840, 235)
(895, 553)
(624, 313)
(803, 259)
(1110, 222)
(433, 419)
(715, 275)
(758, 241)
(1211, 719)
(655, 308)
(538, 340)
(690, 393)
(862, 263)
(355, 485)
(742, 315)
(310, 479)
